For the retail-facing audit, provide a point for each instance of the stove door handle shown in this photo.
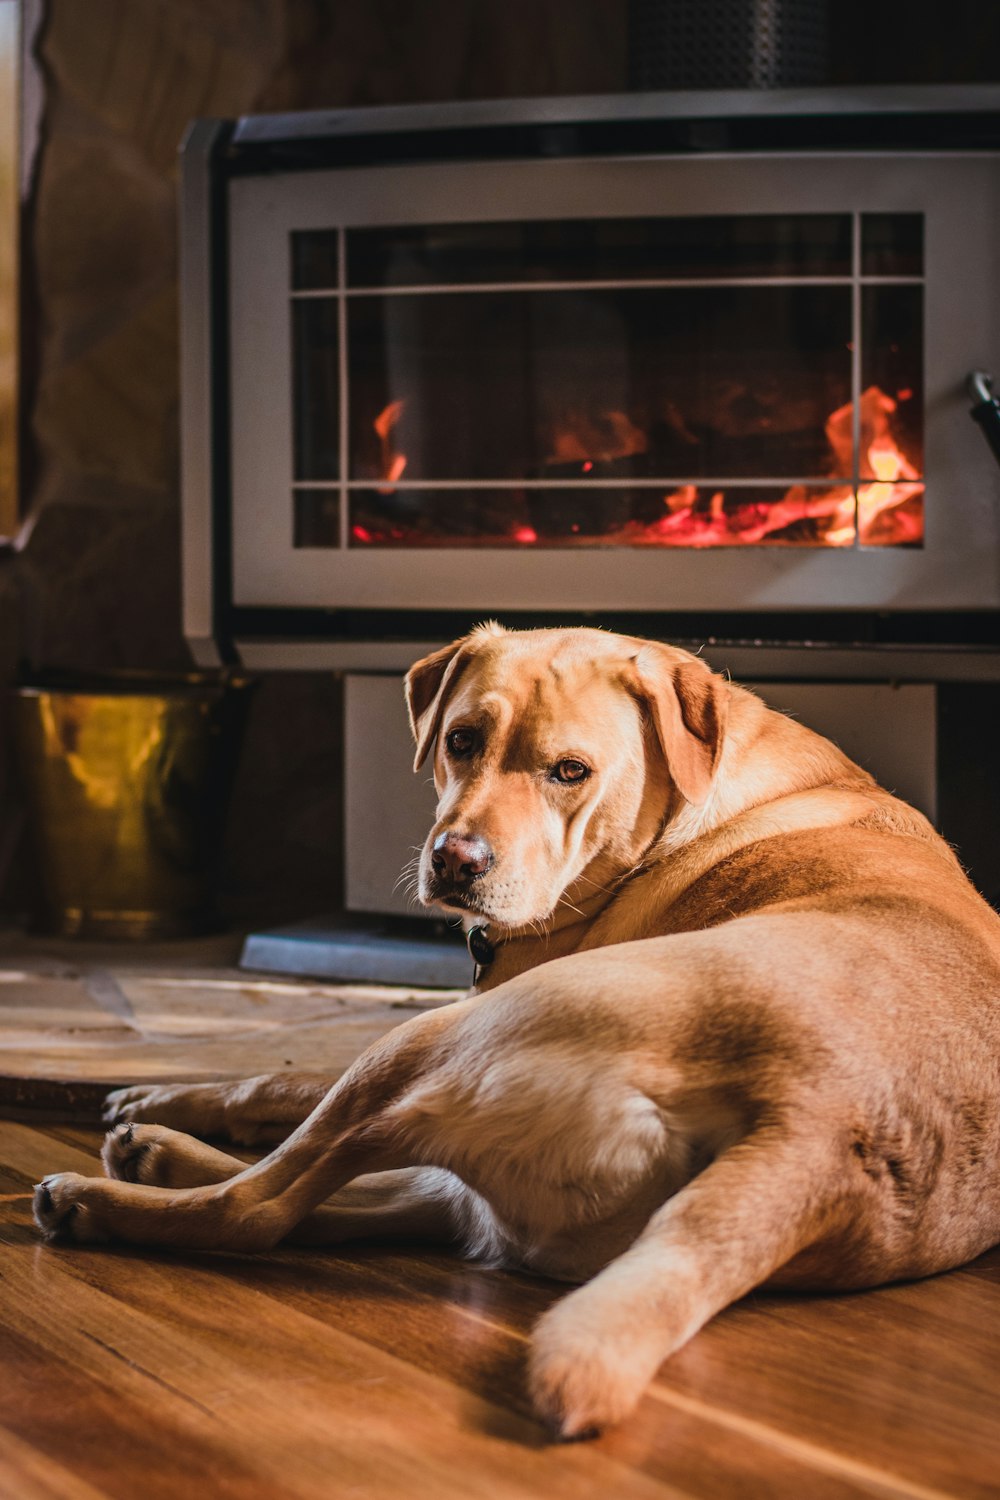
(986, 408)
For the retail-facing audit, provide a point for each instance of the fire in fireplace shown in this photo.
(697, 355)
(671, 382)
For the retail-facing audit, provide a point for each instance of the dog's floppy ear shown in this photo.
(428, 684)
(689, 706)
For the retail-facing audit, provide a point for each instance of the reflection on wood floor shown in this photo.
(379, 1374)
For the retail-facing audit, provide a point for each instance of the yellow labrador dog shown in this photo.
(737, 1021)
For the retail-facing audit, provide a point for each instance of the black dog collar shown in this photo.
(479, 946)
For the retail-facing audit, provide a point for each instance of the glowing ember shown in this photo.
(584, 439)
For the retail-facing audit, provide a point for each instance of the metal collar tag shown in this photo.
(479, 946)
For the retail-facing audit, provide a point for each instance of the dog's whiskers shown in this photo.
(408, 877)
(563, 902)
(603, 890)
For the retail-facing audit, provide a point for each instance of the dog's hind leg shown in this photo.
(412, 1203)
(723, 1234)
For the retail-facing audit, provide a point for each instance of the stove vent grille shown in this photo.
(727, 44)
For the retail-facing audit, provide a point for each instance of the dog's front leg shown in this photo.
(351, 1132)
(726, 1232)
(251, 1111)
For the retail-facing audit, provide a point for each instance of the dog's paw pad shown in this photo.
(130, 1153)
(60, 1213)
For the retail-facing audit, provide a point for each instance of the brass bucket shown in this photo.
(127, 786)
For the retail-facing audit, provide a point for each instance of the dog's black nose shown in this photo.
(460, 860)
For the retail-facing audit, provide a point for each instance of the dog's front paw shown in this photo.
(159, 1157)
(193, 1108)
(130, 1154)
(62, 1212)
(145, 1101)
(583, 1378)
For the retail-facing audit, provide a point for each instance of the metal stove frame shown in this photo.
(927, 614)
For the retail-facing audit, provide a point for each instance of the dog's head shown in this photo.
(559, 755)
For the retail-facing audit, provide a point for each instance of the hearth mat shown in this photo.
(69, 1033)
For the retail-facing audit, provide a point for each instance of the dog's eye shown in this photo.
(461, 743)
(569, 772)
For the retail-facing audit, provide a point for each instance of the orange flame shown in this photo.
(884, 510)
(878, 515)
(884, 463)
(393, 463)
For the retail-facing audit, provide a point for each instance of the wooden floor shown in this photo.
(311, 1376)
(295, 1375)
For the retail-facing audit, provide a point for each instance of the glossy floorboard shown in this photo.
(295, 1376)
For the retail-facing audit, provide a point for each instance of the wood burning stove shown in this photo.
(697, 360)
(689, 365)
